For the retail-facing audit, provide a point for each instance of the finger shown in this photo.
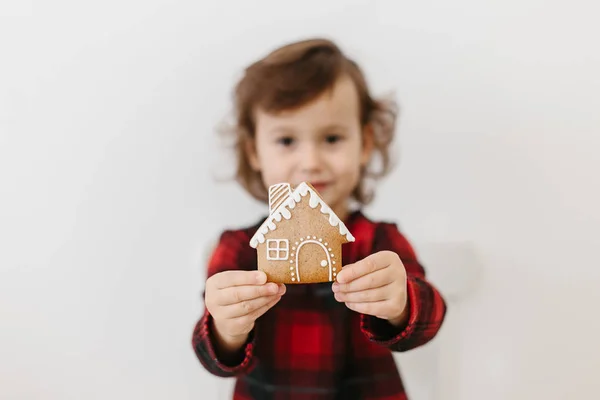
(237, 294)
(247, 307)
(365, 296)
(259, 312)
(360, 268)
(373, 280)
(374, 308)
(254, 315)
(227, 279)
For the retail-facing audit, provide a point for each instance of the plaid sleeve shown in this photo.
(230, 253)
(427, 308)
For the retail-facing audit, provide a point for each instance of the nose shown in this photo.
(311, 160)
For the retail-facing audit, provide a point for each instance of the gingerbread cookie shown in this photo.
(301, 240)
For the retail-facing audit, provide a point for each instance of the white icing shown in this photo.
(278, 193)
(332, 220)
(291, 203)
(280, 247)
(328, 262)
(296, 197)
(314, 200)
(284, 207)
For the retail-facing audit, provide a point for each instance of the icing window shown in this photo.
(277, 249)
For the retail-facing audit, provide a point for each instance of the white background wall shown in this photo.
(107, 193)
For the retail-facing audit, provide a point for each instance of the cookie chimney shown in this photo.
(278, 193)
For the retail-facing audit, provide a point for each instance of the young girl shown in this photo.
(304, 113)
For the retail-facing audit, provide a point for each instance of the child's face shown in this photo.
(321, 142)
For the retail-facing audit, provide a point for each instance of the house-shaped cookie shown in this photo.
(301, 240)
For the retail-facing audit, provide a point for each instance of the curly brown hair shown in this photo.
(292, 76)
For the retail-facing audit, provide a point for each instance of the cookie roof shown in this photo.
(283, 211)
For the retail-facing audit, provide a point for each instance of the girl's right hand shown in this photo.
(236, 299)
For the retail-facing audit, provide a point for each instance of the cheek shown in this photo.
(350, 158)
(347, 165)
(274, 167)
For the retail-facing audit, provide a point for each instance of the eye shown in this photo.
(285, 141)
(333, 138)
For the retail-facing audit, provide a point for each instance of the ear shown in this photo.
(368, 143)
(250, 149)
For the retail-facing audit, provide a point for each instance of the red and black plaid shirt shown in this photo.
(309, 346)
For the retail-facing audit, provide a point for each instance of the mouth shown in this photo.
(319, 186)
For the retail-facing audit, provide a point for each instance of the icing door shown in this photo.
(313, 260)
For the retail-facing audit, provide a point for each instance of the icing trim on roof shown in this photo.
(283, 211)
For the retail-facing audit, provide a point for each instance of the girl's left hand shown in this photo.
(375, 285)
